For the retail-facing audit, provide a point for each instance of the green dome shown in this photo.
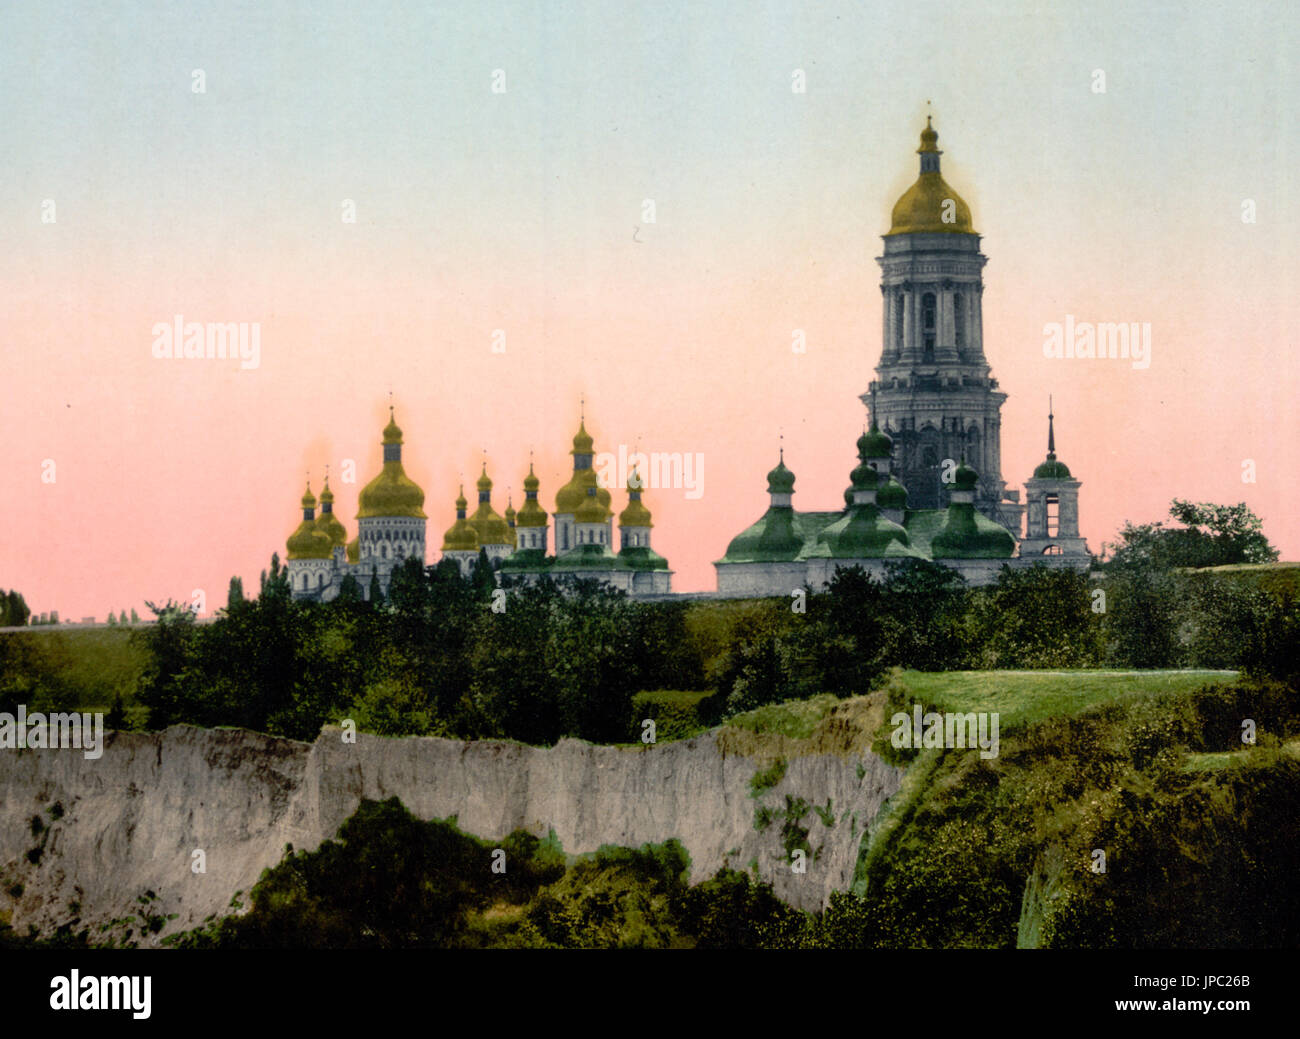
(893, 495)
(865, 534)
(1051, 469)
(968, 534)
(780, 480)
(772, 539)
(875, 444)
(864, 478)
(965, 478)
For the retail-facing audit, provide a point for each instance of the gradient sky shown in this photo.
(479, 211)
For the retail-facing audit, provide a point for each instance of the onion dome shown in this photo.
(488, 525)
(875, 444)
(590, 511)
(392, 492)
(892, 495)
(968, 534)
(780, 480)
(923, 206)
(510, 514)
(573, 494)
(328, 523)
(863, 533)
(636, 514)
(307, 542)
(582, 441)
(354, 550)
(864, 478)
(461, 535)
(1051, 469)
(531, 514)
(965, 478)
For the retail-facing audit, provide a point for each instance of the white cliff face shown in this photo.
(131, 821)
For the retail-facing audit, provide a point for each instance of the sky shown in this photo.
(200, 159)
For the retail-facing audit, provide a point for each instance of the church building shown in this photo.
(928, 484)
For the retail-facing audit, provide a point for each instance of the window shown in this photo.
(959, 321)
(1052, 550)
(898, 322)
(1053, 516)
(929, 457)
(927, 323)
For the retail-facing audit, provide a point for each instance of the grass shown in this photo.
(796, 719)
(1026, 697)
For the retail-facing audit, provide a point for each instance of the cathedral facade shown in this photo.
(390, 529)
(584, 539)
(929, 483)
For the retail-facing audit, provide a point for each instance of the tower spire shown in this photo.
(1051, 431)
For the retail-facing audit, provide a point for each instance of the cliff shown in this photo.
(87, 839)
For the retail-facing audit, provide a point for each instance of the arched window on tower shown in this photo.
(898, 323)
(1053, 550)
(958, 322)
(1053, 516)
(927, 325)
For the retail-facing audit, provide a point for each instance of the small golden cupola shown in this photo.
(636, 514)
(308, 541)
(573, 495)
(930, 206)
(392, 492)
(328, 523)
(531, 514)
(488, 524)
(461, 535)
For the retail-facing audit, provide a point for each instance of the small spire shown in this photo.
(1051, 431)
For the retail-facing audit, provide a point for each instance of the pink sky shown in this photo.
(518, 213)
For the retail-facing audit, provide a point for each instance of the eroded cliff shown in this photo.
(88, 838)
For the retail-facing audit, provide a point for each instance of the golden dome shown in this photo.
(392, 492)
(308, 542)
(591, 511)
(354, 550)
(573, 494)
(636, 514)
(461, 535)
(530, 513)
(582, 442)
(308, 499)
(392, 431)
(328, 523)
(923, 206)
(489, 526)
(485, 481)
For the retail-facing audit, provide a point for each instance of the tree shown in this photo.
(1210, 535)
(236, 593)
(135, 617)
(112, 620)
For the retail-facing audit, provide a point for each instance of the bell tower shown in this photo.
(934, 393)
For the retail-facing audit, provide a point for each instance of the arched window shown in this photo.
(929, 457)
(898, 322)
(959, 321)
(1052, 550)
(1053, 515)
